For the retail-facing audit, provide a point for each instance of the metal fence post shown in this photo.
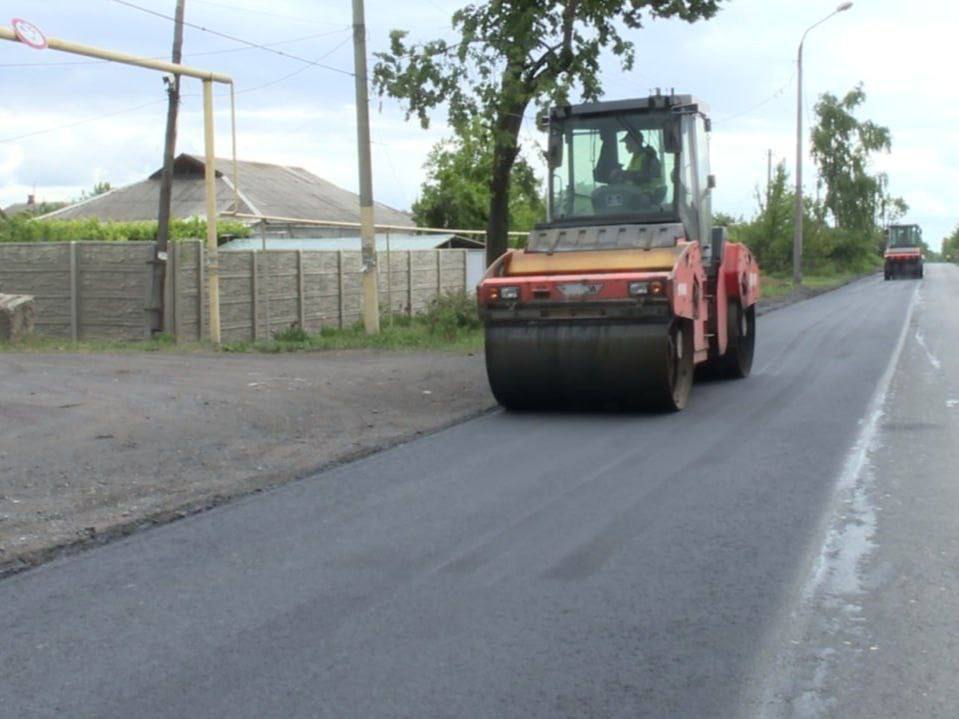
(200, 286)
(339, 284)
(300, 291)
(267, 285)
(254, 288)
(174, 269)
(439, 273)
(409, 282)
(74, 294)
(267, 282)
(389, 278)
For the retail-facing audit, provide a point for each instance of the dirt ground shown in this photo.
(97, 445)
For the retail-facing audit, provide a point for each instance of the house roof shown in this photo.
(17, 207)
(397, 241)
(262, 188)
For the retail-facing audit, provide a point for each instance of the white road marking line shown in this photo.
(933, 360)
(848, 541)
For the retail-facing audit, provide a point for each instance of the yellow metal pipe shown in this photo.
(208, 78)
(353, 225)
(209, 176)
(89, 51)
(236, 170)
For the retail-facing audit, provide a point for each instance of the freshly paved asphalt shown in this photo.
(516, 565)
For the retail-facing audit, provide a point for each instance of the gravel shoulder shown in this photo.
(96, 446)
(93, 446)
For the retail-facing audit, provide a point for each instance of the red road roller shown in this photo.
(903, 257)
(627, 291)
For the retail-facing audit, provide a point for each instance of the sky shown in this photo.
(68, 122)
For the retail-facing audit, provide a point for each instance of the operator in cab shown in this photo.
(644, 169)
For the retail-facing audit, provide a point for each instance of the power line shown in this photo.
(222, 51)
(80, 122)
(264, 12)
(184, 95)
(295, 72)
(763, 103)
(234, 38)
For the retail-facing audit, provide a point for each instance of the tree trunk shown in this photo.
(505, 149)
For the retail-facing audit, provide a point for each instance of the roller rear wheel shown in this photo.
(737, 362)
(680, 368)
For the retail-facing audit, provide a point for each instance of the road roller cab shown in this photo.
(627, 287)
(903, 257)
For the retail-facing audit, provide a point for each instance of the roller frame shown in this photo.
(543, 349)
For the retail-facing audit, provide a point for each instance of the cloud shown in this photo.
(741, 63)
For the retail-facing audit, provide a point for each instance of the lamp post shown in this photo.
(797, 237)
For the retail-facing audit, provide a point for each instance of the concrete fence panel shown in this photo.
(83, 290)
(113, 285)
(99, 290)
(41, 270)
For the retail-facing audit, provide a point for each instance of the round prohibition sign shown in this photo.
(29, 34)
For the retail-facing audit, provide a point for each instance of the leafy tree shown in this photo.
(99, 188)
(891, 209)
(950, 247)
(770, 234)
(513, 53)
(841, 146)
(724, 219)
(825, 249)
(457, 192)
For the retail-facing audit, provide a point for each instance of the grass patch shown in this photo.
(776, 285)
(401, 335)
(450, 324)
(160, 343)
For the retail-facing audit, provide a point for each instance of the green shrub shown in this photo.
(452, 313)
(293, 333)
(25, 229)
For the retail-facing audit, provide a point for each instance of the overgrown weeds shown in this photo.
(449, 323)
(780, 284)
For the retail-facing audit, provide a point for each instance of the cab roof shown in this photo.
(653, 102)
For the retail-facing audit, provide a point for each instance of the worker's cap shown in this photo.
(637, 137)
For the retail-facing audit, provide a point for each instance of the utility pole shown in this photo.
(166, 179)
(769, 177)
(371, 301)
(797, 232)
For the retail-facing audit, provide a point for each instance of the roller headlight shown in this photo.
(509, 293)
(638, 289)
(646, 288)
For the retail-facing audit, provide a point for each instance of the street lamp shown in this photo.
(797, 237)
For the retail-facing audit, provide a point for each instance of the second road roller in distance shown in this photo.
(627, 289)
(903, 256)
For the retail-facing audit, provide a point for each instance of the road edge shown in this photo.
(803, 293)
(273, 482)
